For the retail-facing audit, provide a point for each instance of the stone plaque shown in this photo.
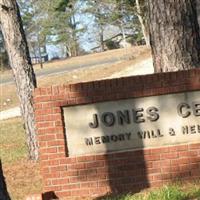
(133, 123)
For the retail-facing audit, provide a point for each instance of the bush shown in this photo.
(112, 44)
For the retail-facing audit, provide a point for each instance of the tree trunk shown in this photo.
(174, 35)
(20, 62)
(124, 43)
(142, 16)
(198, 11)
(3, 187)
(101, 39)
(39, 51)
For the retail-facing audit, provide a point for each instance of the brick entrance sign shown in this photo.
(118, 135)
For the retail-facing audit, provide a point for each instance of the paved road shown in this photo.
(68, 68)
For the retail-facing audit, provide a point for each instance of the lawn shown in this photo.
(178, 191)
(22, 176)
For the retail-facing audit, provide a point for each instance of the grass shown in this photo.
(12, 141)
(21, 175)
(184, 191)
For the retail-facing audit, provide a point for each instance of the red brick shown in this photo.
(42, 98)
(195, 172)
(53, 188)
(103, 183)
(188, 154)
(60, 135)
(185, 167)
(101, 176)
(170, 169)
(44, 111)
(194, 146)
(151, 157)
(64, 194)
(55, 143)
(91, 184)
(169, 155)
(49, 104)
(80, 193)
(157, 177)
(77, 166)
(77, 179)
(153, 170)
(85, 158)
(50, 162)
(56, 156)
(194, 159)
(179, 148)
(71, 186)
(160, 150)
(89, 172)
(68, 161)
(42, 144)
(62, 181)
(59, 123)
(71, 173)
(166, 176)
(38, 106)
(45, 124)
(61, 149)
(180, 161)
(94, 164)
(48, 137)
(52, 175)
(45, 169)
(43, 157)
(195, 166)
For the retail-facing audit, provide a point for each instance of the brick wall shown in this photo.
(97, 175)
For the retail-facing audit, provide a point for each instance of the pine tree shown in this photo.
(174, 35)
(20, 63)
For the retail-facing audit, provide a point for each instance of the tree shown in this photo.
(101, 12)
(141, 7)
(125, 16)
(174, 35)
(59, 24)
(68, 9)
(32, 18)
(20, 62)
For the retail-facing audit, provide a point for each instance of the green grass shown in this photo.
(12, 141)
(190, 191)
